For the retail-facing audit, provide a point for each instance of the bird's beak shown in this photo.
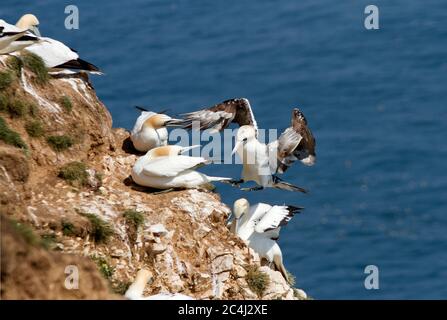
(236, 147)
(186, 149)
(35, 30)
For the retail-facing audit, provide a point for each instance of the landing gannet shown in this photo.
(135, 290)
(13, 38)
(259, 226)
(261, 161)
(55, 54)
(150, 130)
(165, 168)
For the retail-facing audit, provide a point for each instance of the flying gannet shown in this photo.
(14, 39)
(166, 168)
(150, 130)
(261, 162)
(135, 290)
(55, 54)
(259, 226)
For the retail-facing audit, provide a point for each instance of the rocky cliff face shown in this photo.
(65, 172)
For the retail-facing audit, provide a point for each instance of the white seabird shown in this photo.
(15, 38)
(135, 290)
(261, 161)
(259, 226)
(55, 54)
(166, 168)
(150, 130)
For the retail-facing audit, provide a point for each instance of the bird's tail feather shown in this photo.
(222, 179)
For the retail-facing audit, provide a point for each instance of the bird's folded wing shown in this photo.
(277, 216)
(52, 52)
(171, 166)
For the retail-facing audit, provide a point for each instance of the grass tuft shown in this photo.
(6, 78)
(11, 137)
(34, 129)
(100, 229)
(37, 66)
(106, 270)
(75, 173)
(68, 228)
(133, 218)
(257, 280)
(60, 143)
(15, 65)
(65, 101)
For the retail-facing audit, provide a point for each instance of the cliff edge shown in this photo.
(66, 199)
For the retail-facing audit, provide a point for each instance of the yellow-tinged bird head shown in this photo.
(157, 121)
(240, 207)
(30, 22)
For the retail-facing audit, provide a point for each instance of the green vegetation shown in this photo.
(257, 280)
(68, 228)
(26, 232)
(16, 108)
(37, 66)
(75, 173)
(100, 230)
(65, 101)
(60, 143)
(6, 78)
(104, 267)
(15, 65)
(34, 129)
(11, 137)
(48, 240)
(133, 218)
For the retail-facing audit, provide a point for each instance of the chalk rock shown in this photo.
(222, 263)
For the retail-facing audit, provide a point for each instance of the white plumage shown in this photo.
(10, 35)
(259, 226)
(165, 168)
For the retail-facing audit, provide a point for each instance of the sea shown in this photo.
(375, 99)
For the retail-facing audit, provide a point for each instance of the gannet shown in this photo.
(13, 38)
(261, 162)
(135, 290)
(165, 168)
(55, 54)
(150, 130)
(259, 226)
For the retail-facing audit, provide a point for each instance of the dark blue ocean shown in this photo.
(376, 101)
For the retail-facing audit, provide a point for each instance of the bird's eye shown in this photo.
(245, 139)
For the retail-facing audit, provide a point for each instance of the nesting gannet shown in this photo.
(150, 130)
(259, 226)
(13, 38)
(55, 54)
(261, 161)
(135, 290)
(165, 168)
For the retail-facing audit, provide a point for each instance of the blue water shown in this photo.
(375, 100)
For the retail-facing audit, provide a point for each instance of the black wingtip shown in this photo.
(141, 108)
(79, 64)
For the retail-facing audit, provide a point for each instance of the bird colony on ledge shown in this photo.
(165, 167)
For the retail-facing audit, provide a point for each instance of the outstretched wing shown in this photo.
(295, 143)
(219, 116)
(276, 217)
(171, 166)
